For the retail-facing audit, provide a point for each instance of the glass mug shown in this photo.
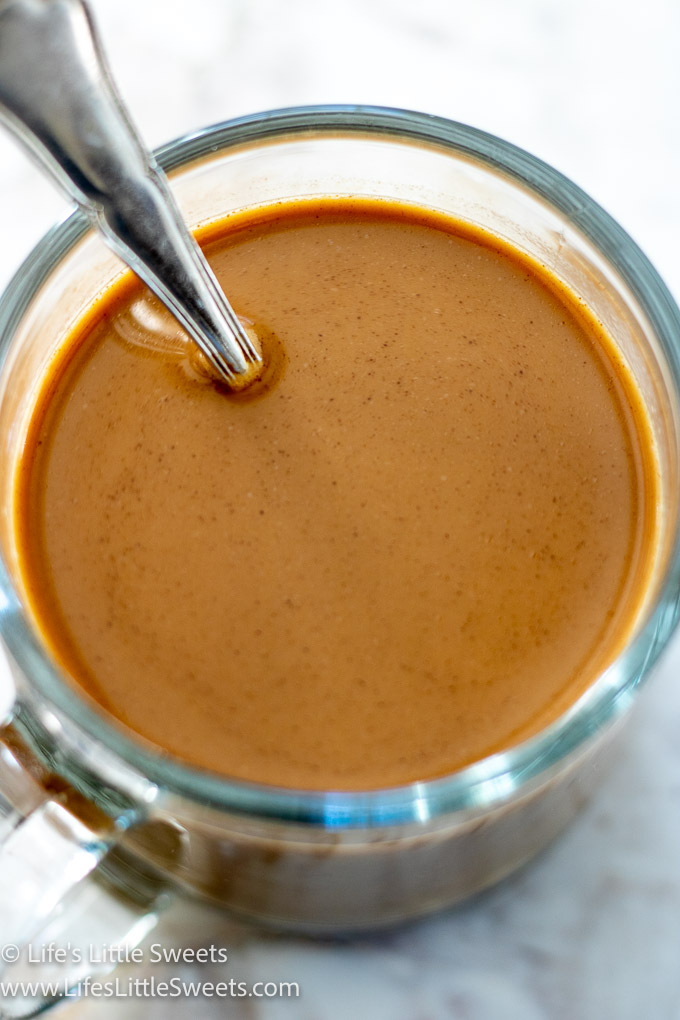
(94, 825)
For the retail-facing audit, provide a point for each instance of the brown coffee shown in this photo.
(418, 543)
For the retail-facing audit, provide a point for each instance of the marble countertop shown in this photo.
(591, 930)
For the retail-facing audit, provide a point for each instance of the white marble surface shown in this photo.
(590, 931)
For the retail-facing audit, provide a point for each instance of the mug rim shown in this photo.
(492, 780)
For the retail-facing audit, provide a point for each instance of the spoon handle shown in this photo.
(58, 97)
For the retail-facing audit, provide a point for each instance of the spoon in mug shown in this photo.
(57, 96)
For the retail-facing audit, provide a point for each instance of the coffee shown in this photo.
(417, 544)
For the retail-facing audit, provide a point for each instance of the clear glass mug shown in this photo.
(94, 825)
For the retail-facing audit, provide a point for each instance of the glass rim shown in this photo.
(490, 781)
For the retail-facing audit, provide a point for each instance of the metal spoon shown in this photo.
(58, 98)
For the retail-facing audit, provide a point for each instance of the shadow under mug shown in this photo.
(94, 823)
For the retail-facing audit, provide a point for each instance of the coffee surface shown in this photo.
(417, 544)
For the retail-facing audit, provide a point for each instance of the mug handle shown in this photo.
(60, 905)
